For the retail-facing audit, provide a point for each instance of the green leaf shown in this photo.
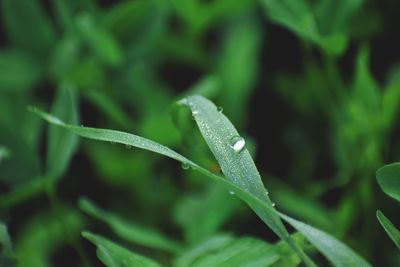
(389, 179)
(297, 16)
(60, 144)
(130, 231)
(340, 255)
(226, 251)
(334, 250)
(113, 255)
(27, 26)
(390, 229)
(235, 162)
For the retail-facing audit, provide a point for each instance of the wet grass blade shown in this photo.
(329, 246)
(390, 229)
(234, 159)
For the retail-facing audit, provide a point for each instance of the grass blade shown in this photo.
(390, 229)
(61, 145)
(324, 245)
(234, 159)
(334, 250)
(129, 231)
(113, 255)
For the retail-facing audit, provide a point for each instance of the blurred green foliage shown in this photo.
(120, 65)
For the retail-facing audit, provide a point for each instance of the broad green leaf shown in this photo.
(100, 41)
(113, 255)
(246, 251)
(389, 180)
(325, 243)
(60, 144)
(19, 72)
(298, 17)
(130, 231)
(335, 251)
(27, 26)
(390, 229)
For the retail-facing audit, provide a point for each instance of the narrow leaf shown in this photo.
(61, 145)
(129, 231)
(334, 250)
(113, 255)
(233, 157)
(390, 229)
(339, 257)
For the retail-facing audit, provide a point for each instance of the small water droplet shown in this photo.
(128, 146)
(267, 193)
(273, 204)
(231, 192)
(185, 166)
(195, 112)
(220, 109)
(237, 143)
(113, 143)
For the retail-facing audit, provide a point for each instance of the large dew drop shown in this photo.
(237, 144)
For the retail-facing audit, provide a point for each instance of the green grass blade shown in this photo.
(390, 229)
(61, 145)
(113, 255)
(389, 180)
(334, 250)
(235, 161)
(129, 231)
(245, 251)
(324, 245)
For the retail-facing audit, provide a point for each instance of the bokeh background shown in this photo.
(313, 86)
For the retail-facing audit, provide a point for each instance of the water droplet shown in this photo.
(231, 192)
(185, 166)
(113, 143)
(220, 109)
(128, 146)
(237, 143)
(195, 112)
(267, 193)
(273, 204)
